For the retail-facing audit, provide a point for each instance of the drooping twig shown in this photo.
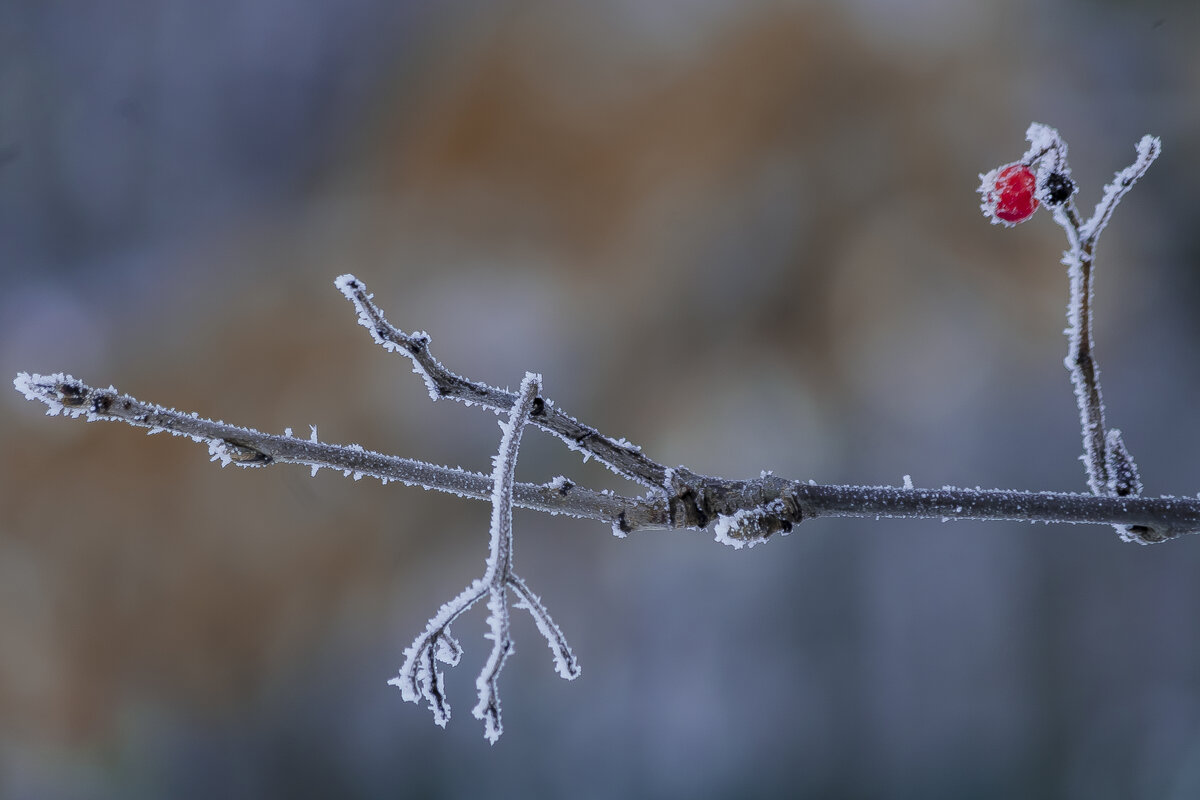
(419, 676)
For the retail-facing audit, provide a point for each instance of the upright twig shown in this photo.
(1080, 258)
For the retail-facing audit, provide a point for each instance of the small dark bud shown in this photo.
(1058, 188)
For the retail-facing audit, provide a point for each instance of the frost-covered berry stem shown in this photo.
(622, 458)
(1110, 468)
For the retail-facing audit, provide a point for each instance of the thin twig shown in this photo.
(247, 447)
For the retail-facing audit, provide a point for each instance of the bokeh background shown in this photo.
(744, 235)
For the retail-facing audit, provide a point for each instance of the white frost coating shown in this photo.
(564, 660)
(28, 385)
(628, 445)
(908, 483)
(725, 523)
(1042, 140)
(1148, 149)
(731, 529)
(419, 676)
(219, 452)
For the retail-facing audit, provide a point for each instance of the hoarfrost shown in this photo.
(219, 452)
(747, 527)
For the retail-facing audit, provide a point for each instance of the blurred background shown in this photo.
(744, 235)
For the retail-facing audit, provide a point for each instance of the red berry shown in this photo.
(1011, 197)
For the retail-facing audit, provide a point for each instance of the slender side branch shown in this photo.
(622, 458)
(247, 447)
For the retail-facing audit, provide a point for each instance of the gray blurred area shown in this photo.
(744, 235)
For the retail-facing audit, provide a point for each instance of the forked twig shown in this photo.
(419, 676)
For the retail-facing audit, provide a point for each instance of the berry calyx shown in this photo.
(1011, 195)
(1058, 188)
